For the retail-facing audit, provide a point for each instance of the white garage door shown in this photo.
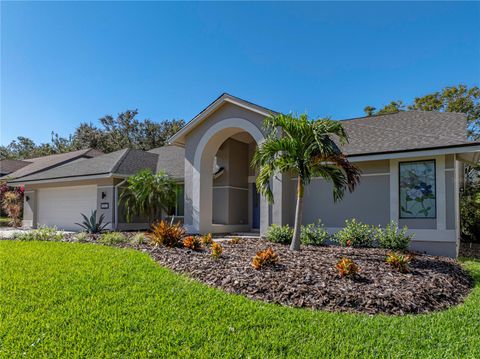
(61, 206)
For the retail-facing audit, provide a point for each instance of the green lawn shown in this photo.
(83, 300)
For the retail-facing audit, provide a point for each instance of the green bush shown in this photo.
(314, 234)
(81, 237)
(138, 239)
(392, 238)
(355, 234)
(280, 234)
(112, 238)
(43, 233)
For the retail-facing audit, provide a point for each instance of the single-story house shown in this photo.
(411, 161)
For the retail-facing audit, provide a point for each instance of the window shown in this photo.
(417, 189)
(178, 209)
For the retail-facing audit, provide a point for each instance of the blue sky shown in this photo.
(65, 63)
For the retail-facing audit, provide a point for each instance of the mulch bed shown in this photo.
(308, 278)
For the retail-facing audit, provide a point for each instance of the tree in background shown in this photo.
(114, 133)
(306, 149)
(148, 194)
(459, 98)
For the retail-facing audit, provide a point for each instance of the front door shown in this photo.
(255, 207)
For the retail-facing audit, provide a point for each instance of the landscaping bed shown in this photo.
(308, 278)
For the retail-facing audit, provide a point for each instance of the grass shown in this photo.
(84, 300)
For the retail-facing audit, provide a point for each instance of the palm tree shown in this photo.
(147, 193)
(304, 148)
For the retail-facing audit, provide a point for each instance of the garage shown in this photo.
(61, 206)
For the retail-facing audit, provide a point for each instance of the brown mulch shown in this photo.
(469, 249)
(308, 278)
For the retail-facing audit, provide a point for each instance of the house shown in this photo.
(9, 166)
(412, 170)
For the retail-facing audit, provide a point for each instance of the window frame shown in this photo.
(399, 188)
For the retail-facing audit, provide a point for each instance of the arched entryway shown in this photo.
(225, 202)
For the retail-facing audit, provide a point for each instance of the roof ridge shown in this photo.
(400, 112)
(120, 161)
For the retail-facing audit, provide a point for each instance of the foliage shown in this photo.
(314, 234)
(148, 193)
(207, 240)
(347, 268)
(81, 237)
(279, 234)
(401, 262)
(217, 250)
(458, 98)
(355, 234)
(264, 258)
(166, 234)
(192, 242)
(128, 286)
(112, 238)
(470, 212)
(124, 131)
(304, 148)
(235, 240)
(42, 233)
(138, 239)
(392, 238)
(91, 225)
(12, 205)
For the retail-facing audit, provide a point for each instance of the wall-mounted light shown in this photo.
(104, 195)
(27, 198)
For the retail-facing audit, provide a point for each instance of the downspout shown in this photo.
(115, 205)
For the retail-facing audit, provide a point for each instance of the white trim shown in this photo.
(412, 154)
(68, 179)
(394, 196)
(441, 194)
(362, 175)
(449, 169)
(205, 113)
(230, 187)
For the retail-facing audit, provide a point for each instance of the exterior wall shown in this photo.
(105, 198)
(375, 201)
(29, 208)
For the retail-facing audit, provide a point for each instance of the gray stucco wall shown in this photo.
(29, 208)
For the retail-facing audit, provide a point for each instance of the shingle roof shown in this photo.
(39, 164)
(9, 166)
(171, 159)
(405, 131)
(122, 163)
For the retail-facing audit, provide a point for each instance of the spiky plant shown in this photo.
(91, 224)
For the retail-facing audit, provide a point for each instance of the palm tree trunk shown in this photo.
(295, 246)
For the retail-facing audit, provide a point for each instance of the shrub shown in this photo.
(280, 234)
(12, 205)
(138, 239)
(264, 258)
(355, 234)
(112, 238)
(401, 262)
(207, 240)
(347, 268)
(43, 233)
(81, 237)
(217, 250)
(392, 238)
(314, 234)
(235, 240)
(192, 242)
(91, 225)
(166, 234)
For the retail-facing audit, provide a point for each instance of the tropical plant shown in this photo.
(12, 205)
(166, 234)
(264, 258)
(207, 240)
(147, 194)
(347, 268)
(192, 242)
(112, 238)
(314, 234)
(355, 234)
(304, 148)
(401, 262)
(217, 250)
(392, 238)
(279, 234)
(91, 225)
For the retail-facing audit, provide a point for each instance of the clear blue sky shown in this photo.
(64, 63)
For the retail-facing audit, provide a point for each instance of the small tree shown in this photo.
(12, 205)
(305, 149)
(147, 193)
